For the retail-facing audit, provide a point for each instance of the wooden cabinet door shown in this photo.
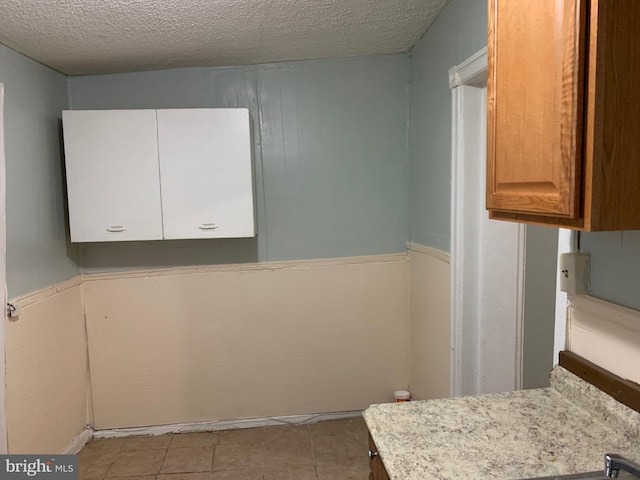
(378, 471)
(535, 106)
(206, 173)
(113, 184)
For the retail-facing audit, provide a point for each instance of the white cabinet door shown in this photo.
(112, 175)
(206, 173)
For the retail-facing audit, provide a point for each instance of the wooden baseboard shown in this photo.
(624, 391)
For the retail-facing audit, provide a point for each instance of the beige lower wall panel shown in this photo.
(430, 324)
(47, 375)
(229, 344)
(605, 334)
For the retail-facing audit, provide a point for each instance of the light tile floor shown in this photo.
(333, 450)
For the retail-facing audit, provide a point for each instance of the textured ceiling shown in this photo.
(101, 36)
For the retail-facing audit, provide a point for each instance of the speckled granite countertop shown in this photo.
(564, 429)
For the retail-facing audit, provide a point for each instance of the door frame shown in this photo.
(472, 72)
(3, 281)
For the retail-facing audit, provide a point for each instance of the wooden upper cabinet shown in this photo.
(535, 105)
(563, 145)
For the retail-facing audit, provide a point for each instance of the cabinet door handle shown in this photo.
(208, 226)
(116, 229)
(372, 455)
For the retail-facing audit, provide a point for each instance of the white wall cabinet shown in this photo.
(205, 173)
(112, 175)
(159, 174)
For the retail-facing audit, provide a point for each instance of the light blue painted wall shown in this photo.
(615, 266)
(459, 32)
(330, 149)
(38, 253)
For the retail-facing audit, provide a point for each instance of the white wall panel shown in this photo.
(257, 340)
(47, 375)
(605, 334)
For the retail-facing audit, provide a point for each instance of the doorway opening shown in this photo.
(502, 313)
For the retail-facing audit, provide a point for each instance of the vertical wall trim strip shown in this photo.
(159, 171)
(256, 77)
(3, 281)
(456, 252)
(522, 265)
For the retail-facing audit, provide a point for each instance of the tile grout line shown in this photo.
(352, 430)
(165, 456)
(215, 452)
